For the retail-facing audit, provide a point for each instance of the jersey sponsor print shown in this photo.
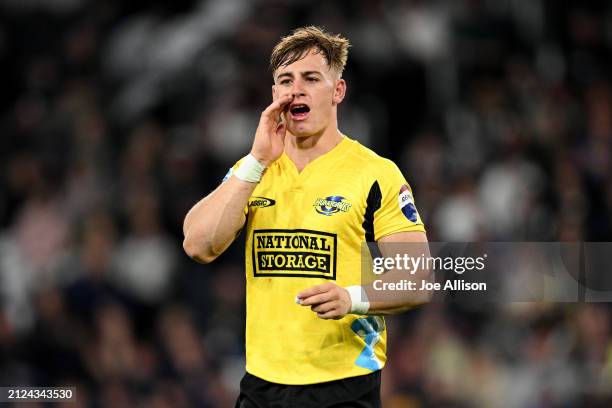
(301, 253)
(261, 202)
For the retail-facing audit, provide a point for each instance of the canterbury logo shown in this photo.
(261, 202)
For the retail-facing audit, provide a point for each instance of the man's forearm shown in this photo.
(212, 224)
(392, 307)
(384, 301)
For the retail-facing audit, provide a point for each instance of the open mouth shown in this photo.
(299, 111)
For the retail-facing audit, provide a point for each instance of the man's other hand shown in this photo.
(328, 300)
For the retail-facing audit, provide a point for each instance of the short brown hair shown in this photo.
(293, 48)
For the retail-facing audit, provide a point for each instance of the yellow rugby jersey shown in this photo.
(304, 229)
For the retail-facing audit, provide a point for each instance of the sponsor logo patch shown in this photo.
(406, 203)
(331, 205)
(294, 253)
(261, 202)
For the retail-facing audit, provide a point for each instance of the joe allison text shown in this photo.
(452, 285)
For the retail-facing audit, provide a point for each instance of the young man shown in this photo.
(307, 197)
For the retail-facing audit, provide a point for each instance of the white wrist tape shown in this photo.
(359, 300)
(250, 170)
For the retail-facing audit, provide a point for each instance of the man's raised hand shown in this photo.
(269, 140)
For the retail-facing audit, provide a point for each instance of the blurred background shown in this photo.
(116, 117)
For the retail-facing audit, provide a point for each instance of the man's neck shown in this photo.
(303, 150)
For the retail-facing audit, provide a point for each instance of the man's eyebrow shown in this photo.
(287, 74)
(306, 73)
(303, 73)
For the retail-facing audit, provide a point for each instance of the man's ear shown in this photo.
(274, 92)
(339, 91)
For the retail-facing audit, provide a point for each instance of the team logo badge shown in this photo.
(331, 205)
(406, 203)
(261, 202)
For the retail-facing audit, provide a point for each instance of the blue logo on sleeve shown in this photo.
(406, 204)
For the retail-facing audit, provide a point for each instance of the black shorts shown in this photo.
(355, 392)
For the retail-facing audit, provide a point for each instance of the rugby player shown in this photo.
(307, 196)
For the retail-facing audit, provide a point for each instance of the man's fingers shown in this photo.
(326, 300)
(280, 130)
(314, 290)
(325, 307)
(277, 106)
(332, 314)
(317, 299)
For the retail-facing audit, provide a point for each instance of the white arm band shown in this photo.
(359, 300)
(250, 170)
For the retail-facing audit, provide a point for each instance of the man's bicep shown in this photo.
(411, 243)
(409, 251)
(408, 236)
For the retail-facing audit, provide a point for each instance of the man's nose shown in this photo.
(297, 89)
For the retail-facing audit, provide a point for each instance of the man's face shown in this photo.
(317, 89)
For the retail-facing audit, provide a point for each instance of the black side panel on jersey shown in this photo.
(373, 203)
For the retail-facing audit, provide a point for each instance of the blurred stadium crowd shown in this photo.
(117, 116)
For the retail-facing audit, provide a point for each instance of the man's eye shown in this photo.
(284, 82)
(312, 79)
